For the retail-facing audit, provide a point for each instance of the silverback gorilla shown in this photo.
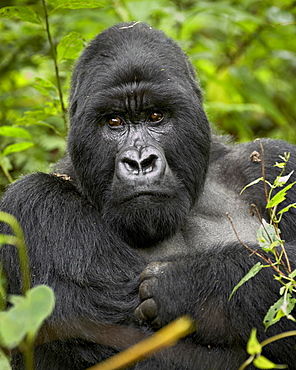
(130, 229)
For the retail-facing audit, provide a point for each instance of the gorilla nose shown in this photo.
(134, 164)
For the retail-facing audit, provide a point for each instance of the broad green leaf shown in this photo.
(44, 86)
(14, 132)
(253, 346)
(70, 46)
(4, 361)
(253, 271)
(15, 148)
(75, 4)
(26, 315)
(24, 13)
(42, 302)
(266, 236)
(263, 363)
(279, 197)
(282, 307)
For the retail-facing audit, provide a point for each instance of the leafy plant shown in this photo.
(20, 323)
(244, 52)
(15, 132)
(254, 349)
(274, 255)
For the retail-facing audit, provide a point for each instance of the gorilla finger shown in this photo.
(147, 288)
(147, 311)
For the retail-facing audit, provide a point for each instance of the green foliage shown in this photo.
(253, 272)
(244, 51)
(246, 57)
(275, 256)
(26, 316)
(19, 325)
(21, 12)
(254, 349)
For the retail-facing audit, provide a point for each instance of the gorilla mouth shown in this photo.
(153, 194)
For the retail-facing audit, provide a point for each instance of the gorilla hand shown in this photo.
(150, 292)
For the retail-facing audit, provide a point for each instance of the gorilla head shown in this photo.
(139, 138)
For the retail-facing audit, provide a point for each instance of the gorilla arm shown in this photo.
(200, 285)
(91, 272)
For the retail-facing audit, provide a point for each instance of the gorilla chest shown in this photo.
(208, 226)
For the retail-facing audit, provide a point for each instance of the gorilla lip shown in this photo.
(146, 193)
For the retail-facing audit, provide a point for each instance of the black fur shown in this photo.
(151, 192)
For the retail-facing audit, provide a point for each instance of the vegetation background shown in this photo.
(244, 52)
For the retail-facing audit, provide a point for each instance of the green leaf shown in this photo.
(293, 274)
(266, 236)
(37, 117)
(26, 316)
(14, 132)
(286, 209)
(70, 46)
(253, 346)
(251, 184)
(4, 361)
(24, 13)
(15, 148)
(75, 4)
(280, 165)
(263, 363)
(282, 307)
(253, 271)
(282, 180)
(279, 197)
(44, 86)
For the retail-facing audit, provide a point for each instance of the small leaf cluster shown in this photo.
(254, 349)
(68, 48)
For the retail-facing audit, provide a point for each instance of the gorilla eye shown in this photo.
(156, 117)
(115, 122)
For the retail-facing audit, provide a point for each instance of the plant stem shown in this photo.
(263, 171)
(6, 172)
(29, 359)
(56, 67)
(286, 334)
(18, 240)
(246, 363)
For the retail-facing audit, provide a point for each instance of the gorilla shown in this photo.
(130, 228)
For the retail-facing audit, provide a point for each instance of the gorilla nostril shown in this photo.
(131, 165)
(148, 164)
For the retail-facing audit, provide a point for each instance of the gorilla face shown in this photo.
(139, 138)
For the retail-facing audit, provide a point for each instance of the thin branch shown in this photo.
(263, 170)
(18, 240)
(57, 74)
(266, 260)
(286, 334)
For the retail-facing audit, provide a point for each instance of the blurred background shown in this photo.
(244, 52)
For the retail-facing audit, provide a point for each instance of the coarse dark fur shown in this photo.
(131, 229)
